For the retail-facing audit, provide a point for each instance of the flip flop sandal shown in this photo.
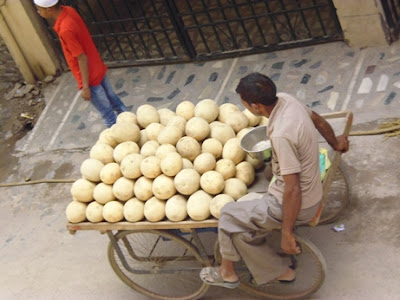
(217, 280)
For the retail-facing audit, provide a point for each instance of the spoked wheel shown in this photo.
(158, 264)
(310, 273)
(338, 197)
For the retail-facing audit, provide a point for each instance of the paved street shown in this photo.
(41, 260)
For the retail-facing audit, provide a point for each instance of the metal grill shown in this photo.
(392, 14)
(159, 31)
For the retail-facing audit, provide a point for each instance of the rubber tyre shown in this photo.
(163, 265)
(338, 197)
(310, 274)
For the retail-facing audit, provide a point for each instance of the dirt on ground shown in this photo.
(20, 108)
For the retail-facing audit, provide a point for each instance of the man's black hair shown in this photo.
(257, 88)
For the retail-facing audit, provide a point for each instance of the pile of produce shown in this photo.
(159, 165)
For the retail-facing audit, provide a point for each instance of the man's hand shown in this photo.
(288, 244)
(86, 94)
(342, 144)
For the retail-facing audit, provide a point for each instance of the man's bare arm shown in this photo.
(84, 67)
(338, 143)
(291, 208)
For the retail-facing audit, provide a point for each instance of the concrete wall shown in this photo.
(363, 22)
(27, 40)
(9, 72)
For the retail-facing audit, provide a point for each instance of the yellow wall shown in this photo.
(363, 22)
(31, 40)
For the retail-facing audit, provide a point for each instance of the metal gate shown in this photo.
(135, 32)
(391, 9)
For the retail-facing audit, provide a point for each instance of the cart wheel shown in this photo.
(158, 264)
(338, 197)
(310, 273)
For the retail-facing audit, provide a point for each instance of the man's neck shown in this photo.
(57, 12)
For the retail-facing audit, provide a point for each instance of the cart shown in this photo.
(163, 260)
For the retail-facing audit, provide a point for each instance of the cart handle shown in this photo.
(335, 161)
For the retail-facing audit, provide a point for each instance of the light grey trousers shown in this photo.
(243, 227)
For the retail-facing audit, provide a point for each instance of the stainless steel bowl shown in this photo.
(257, 144)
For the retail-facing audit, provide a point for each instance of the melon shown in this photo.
(103, 193)
(154, 209)
(94, 212)
(125, 131)
(123, 149)
(197, 128)
(237, 120)
(188, 147)
(134, 210)
(226, 167)
(187, 181)
(76, 211)
(147, 114)
(252, 118)
(153, 130)
(143, 188)
(169, 135)
(164, 149)
(127, 116)
(235, 188)
(90, 169)
(123, 188)
(106, 137)
(198, 205)
(225, 110)
(245, 172)
(178, 121)
(102, 152)
(175, 208)
(149, 148)
(150, 167)
(204, 162)
(130, 165)
(165, 115)
(171, 164)
(212, 146)
(233, 151)
(219, 202)
(207, 109)
(212, 182)
(163, 187)
(113, 211)
(110, 173)
(185, 109)
(221, 131)
(82, 190)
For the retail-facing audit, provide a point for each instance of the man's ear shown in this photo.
(255, 106)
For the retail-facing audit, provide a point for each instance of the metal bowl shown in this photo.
(257, 144)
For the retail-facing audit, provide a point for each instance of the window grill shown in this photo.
(391, 9)
(129, 32)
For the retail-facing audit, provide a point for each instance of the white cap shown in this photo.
(45, 3)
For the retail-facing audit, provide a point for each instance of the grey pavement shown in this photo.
(41, 260)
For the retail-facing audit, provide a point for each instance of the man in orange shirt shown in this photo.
(83, 58)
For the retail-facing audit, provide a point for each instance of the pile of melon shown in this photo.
(159, 165)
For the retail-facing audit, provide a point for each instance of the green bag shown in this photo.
(324, 164)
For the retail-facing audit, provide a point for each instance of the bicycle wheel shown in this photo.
(310, 273)
(338, 198)
(158, 264)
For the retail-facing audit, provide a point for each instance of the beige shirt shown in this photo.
(295, 149)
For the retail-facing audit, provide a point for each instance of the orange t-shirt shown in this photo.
(75, 40)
